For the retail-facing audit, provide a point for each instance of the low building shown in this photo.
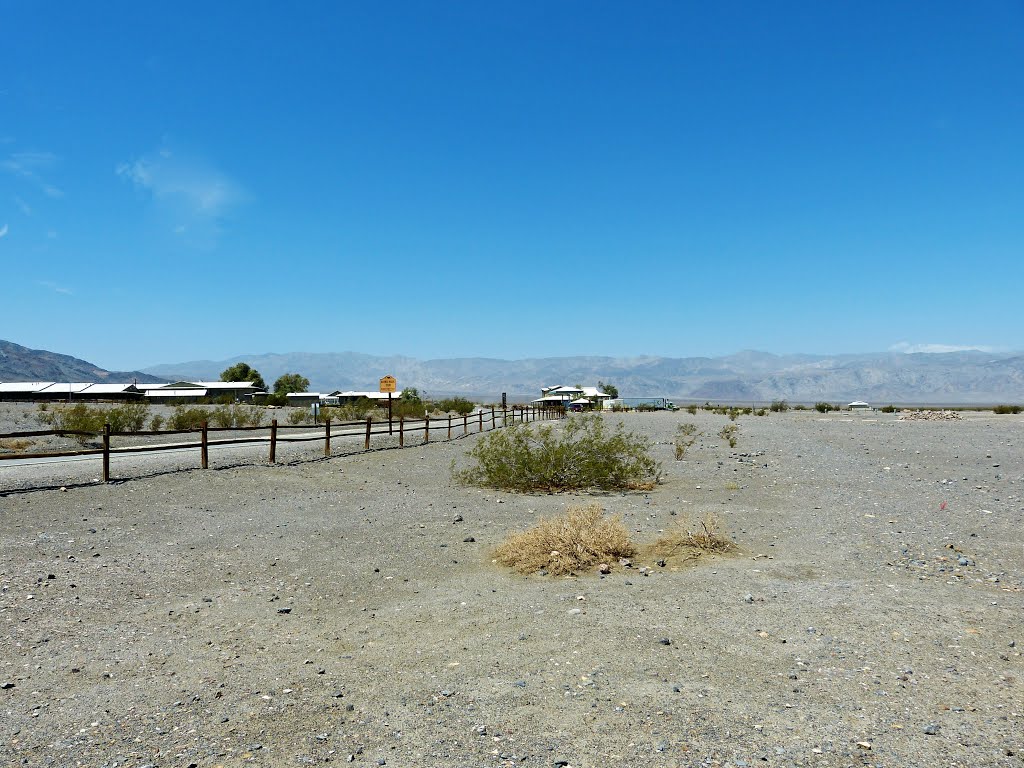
(859, 405)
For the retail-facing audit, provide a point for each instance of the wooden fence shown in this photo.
(364, 430)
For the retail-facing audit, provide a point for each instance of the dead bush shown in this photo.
(576, 541)
(691, 540)
(15, 445)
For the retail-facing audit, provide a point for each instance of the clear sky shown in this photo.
(185, 180)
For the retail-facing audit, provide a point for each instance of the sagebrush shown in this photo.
(583, 454)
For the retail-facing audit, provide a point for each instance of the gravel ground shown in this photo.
(347, 610)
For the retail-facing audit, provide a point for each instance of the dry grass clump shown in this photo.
(693, 540)
(575, 541)
(15, 444)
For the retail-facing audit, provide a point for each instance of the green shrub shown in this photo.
(733, 413)
(800, 407)
(78, 417)
(188, 417)
(585, 454)
(779, 406)
(1002, 409)
(459, 405)
(888, 409)
(300, 416)
(127, 417)
(728, 433)
(823, 407)
(761, 412)
(691, 409)
(156, 423)
(686, 436)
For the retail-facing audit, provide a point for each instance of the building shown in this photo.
(54, 391)
(577, 397)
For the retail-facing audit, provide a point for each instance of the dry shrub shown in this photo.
(576, 541)
(693, 540)
(15, 444)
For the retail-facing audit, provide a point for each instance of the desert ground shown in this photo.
(347, 610)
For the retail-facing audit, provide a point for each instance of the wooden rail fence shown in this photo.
(493, 419)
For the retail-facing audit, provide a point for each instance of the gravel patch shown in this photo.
(347, 610)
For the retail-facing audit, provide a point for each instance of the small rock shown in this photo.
(457, 519)
(665, 641)
(748, 598)
(284, 610)
(6, 686)
(604, 568)
(932, 729)
(468, 540)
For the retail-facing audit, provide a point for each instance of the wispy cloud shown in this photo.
(192, 192)
(33, 167)
(3, 231)
(55, 287)
(22, 206)
(908, 348)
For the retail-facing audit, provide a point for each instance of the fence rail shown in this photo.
(480, 421)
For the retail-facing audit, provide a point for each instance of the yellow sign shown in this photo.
(387, 384)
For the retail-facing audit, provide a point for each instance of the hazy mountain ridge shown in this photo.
(949, 377)
(18, 363)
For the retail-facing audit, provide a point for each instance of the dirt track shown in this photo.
(341, 610)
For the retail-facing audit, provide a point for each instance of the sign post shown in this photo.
(387, 384)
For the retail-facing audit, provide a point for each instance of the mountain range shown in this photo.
(962, 377)
(899, 377)
(18, 363)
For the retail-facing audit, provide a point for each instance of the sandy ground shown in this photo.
(347, 610)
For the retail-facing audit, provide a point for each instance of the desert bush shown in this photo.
(644, 407)
(584, 454)
(127, 417)
(355, 411)
(188, 417)
(779, 406)
(728, 433)
(580, 539)
(687, 538)
(761, 412)
(300, 416)
(822, 407)
(156, 423)
(15, 445)
(1003, 409)
(78, 418)
(888, 409)
(686, 436)
(691, 409)
(800, 407)
(459, 405)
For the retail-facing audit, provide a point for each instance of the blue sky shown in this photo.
(198, 180)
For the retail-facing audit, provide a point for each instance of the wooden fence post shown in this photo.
(106, 452)
(204, 453)
(366, 445)
(327, 437)
(494, 420)
(449, 426)
(273, 441)
(481, 421)
(465, 424)
(401, 431)
(426, 428)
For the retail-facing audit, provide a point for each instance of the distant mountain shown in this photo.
(951, 377)
(18, 363)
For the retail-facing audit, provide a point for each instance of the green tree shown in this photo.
(608, 389)
(410, 395)
(243, 372)
(291, 382)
